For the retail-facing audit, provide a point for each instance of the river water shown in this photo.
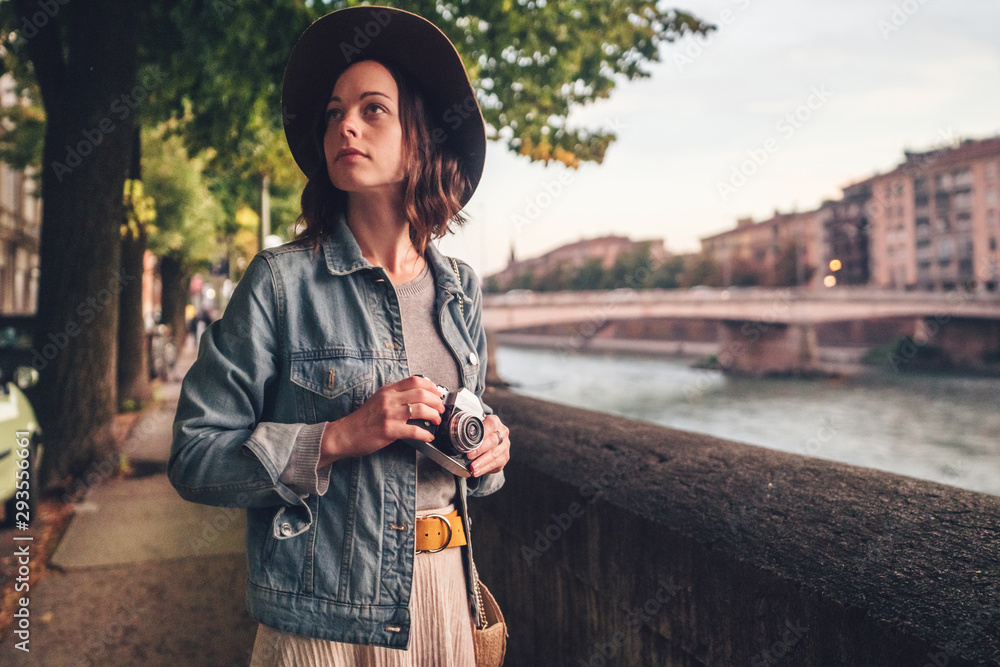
(935, 427)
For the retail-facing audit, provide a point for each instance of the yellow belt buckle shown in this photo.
(446, 542)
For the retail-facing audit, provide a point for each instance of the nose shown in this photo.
(349, 125)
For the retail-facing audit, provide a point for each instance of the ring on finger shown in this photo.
(499, 435)
(409, 410)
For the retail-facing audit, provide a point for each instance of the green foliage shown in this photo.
(786, 269)
(523, 280)
(188, 218)
(701, 270)
(632, 269)
(223, 60)
(667, 274)
(590, 276)
(531, 63)
(744, 273)
(559, 277)
(22, 125)
(904, 353)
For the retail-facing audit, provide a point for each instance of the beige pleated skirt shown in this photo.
(440, 631)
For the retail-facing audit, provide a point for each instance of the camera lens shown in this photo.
(466, 432)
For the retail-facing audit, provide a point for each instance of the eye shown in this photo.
(333, 114)
(375, 108)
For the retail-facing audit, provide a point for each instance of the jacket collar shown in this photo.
(343, 255)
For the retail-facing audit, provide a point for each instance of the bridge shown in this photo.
(764, 331)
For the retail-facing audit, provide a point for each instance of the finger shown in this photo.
(421, 396)
(410, 431)
(492, 423)
(494, 461)
(421, 411)
(417, 382)
(481, 450)
(496, 436)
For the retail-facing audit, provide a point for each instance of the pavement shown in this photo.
(142, 576)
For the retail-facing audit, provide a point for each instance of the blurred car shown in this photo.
(20, 435)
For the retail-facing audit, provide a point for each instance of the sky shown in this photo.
(783, 105)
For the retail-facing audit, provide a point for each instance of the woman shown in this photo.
(302, 396)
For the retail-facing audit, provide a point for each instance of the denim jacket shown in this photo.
(305, 339)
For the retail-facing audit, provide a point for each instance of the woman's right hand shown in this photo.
(381, 420)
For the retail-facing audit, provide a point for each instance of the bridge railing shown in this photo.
(838, 294)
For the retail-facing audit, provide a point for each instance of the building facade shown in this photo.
(932, 223)
(783, 250)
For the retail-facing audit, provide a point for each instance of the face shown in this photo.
(363, 141)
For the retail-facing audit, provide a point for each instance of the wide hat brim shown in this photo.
(410, 42)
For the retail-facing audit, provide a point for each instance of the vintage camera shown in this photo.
(461, 431)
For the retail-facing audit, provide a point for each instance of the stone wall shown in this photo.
(620, 542)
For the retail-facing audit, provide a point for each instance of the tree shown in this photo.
(103, 66)
(557, 278)
(790, 268)
(590, 276)
(523, 280)
(746, 273)
(85, 63)
(188, 223)
(667, 274)
(134, 388)
(701, 270)
(632, 269)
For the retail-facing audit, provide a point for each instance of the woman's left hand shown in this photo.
(493, 454)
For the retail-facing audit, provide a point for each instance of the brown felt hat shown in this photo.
(409, 42)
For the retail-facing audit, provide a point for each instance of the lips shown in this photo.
(347, 152)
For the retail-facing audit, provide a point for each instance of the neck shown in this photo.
(383, 234)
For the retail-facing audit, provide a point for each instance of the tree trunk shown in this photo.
(133, 357)
(173, 298)
(88, 140)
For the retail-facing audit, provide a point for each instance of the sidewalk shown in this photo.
(145, 578)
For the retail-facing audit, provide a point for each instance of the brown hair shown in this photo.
(435, 183)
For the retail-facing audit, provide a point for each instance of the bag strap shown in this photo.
(479, 613)
(461, 296)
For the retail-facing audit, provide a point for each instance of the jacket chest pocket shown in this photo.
(329, 387)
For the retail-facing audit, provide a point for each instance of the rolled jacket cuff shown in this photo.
(301, 473)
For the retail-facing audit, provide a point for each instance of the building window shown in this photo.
(965, 247)
(963, 177)
(962, 199)
(991, 171)
(993, 243)
(963, 221)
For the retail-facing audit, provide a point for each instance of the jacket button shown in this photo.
(286, 529)
(473, 358)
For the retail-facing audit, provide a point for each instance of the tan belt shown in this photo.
(436, 532)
